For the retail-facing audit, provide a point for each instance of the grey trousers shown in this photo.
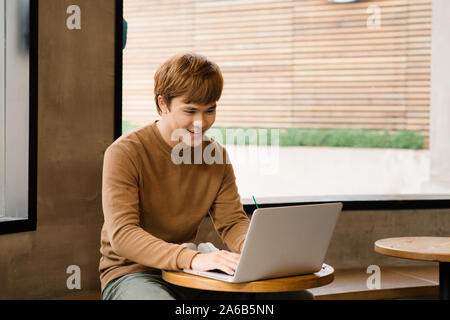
(151, 286)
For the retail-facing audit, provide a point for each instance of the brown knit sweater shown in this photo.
(151, 205)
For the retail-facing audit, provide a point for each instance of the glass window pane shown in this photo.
(344, 87)
(16, 108)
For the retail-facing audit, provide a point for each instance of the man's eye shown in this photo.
(192, 112)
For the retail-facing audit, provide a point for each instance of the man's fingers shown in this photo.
(232, 260)
(229, 257)
(222, 260)
(227, 270)
(227, 262)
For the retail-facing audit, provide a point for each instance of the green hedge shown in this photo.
(352, 138)
(356, 138)
(127, 127)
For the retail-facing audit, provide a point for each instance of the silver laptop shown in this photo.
(283, 241)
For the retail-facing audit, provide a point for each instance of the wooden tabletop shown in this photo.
(416, 248)
(292, 283)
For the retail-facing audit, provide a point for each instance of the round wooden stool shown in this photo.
(291, 283)
(421, 248)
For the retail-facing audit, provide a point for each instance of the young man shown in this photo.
(152, 204)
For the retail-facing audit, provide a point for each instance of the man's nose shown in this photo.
(198, 121)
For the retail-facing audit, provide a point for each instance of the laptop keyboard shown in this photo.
(215, 274)
(219, 271)
(218, 275)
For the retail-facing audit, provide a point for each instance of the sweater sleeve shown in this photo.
(228, 214)
(120, 201)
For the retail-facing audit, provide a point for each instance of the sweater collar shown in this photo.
(164, 145)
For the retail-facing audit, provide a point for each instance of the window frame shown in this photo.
(118, 68)
(352, 203)
(29, 223)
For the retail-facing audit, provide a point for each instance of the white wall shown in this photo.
(440, 99)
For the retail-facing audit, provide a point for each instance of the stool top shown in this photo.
(416, 248)
(291, 283)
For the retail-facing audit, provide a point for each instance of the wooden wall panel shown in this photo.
(75, 126)
(307, 63)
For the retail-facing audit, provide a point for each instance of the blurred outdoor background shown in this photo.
(345, 86)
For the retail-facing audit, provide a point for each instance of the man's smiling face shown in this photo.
(188, 122)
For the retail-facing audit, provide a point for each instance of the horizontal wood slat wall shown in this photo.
(305, 63)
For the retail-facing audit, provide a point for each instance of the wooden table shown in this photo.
(292, 283)
(421, 248)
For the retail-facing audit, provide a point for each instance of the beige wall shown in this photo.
(440, 100)
(356, 231)
(75, 125)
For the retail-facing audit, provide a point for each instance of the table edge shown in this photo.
(310, 281)
(405, 254)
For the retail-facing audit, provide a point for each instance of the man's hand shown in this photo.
(223, 260)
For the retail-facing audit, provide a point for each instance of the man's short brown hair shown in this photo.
(191, 75)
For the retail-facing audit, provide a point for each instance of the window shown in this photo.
(17, 115)
(345, 87)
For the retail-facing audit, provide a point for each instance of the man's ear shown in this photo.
(162, 104)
